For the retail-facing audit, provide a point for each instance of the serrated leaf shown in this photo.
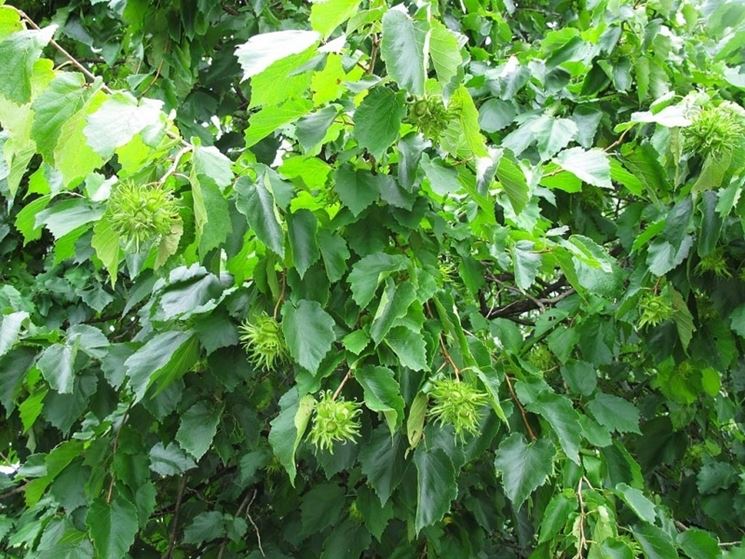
(409, 347)
(436, 486)
(524, 467)
(368, 272)
(270, 119)
(210, 162)
(288, 427)
(382, 462)
(402, 50)
(377, 120)
(382, 393)
(197, 428)
(10, 329)
(112, 526)
(357, 188)
(444, 49)
(302, 229)
(257, 204)
(261, 51)
(327, 15)
(309, 332)
(564, 420)
(655, 543)
(592, 166)
(615, 413)
(106, 242)
(462, 136)
(57, 363)
(19, 52)
(635, 499)
(511, 177)
(169, 460)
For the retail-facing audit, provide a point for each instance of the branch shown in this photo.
(174, 523)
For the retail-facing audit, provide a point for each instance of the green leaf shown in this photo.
(698, 544)
(106, 242)
(512, 179)
(302, 228)
(526, 264)
(57, 364)
(368, 272)
(402, 50)
(591, 166)
(557, 514)
(335, 254)
(524, 467)
(257, 204)
(327, 15)
(462, 136)
(288, 427)
(415, 421)
(112, 526)
(261, 51)
(377, 120)
(211, 163)
(444, 49)
(30, 409)
(655, 543)
(409, 347)
(615, 413)
(382, 393)
(564, 420)
(19, 52)
(309, 332)
(382, 462)
(205, 527)
(270, 119)
(357, 189)
(394, 304)
(211, 215)
(166, 355)
(197, 428)
(169, 460)
(635, 499)
(10, 329)
(436, 486)
(119, 119)
(65, 96)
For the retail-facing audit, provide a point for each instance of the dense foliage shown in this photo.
(343, 279)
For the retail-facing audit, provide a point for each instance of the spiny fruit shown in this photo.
(541, 358)
(262, 338)
(141, 214)
(655, 308)
(716, 131)
(334, 420)
(716, 263)
(430, 115)
(457, 403)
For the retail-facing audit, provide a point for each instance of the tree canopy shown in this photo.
(361, 279)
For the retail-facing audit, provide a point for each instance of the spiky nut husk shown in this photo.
(262, 338)
(430, 115)
(655, 309)
(334, 420)
(716, 131)
(140, 213)
(541, 358)
(715, 263)
(457, 403)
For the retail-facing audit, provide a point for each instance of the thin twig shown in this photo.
(520, 407)
(449, 359)
(13, 491)
(280, 298)
(256, 528)
(174, 166)
(112, 482)
(582, 539)
(341, 385)
(174, 522)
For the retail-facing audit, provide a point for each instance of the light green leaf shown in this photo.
(377, 120)
(10, 329)
(261, 51)
(524, 467)
(197, 428)
(119, 119)
(556, 515)
(257, 204)
(526, 263)
(288, 427)
(65, 96)
(367, 273)
(462, 136)
(698, 544)
(210, 162)
(444, 49)
(436, 486)
(112, 526)
(211, 215)
(302, 228)
(402, 50)
(270, 119)
(19, 52)
(327, 15)
(592, 166)
(415, 421)
(512, 179)
(382, 393)
(309, 332)
(105, 242)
